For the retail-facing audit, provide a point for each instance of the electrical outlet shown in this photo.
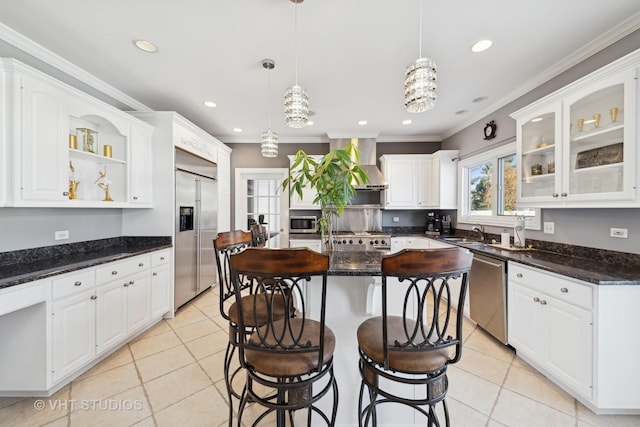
(621, 233)
(61, 235)
(549, 227)
(396, 219)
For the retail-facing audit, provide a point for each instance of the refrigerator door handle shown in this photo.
(198, 234)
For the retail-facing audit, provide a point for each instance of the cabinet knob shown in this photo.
(161, 258)
(155, 274)
(564, 290)
(65, 193)
(114, 272)
(543, 302)
(536, 299)
(141, 264)
(94, 297)
(77, 283)
(519, 275)
(131, 282)
(135, 197)
(554, 195)
(564, 194)
(126, 284)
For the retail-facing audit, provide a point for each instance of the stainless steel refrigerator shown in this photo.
(196, 226)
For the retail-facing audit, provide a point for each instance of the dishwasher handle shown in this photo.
(497, 264)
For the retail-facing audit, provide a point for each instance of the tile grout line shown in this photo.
(144, 389)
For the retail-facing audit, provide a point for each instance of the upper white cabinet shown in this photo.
(68, 149)
(420, 181)
(308, 194)
(577, 146)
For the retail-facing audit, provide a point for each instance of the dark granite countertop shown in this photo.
(591, 265)
(27, 265)
(595, 266)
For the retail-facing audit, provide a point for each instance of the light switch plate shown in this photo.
(621, 233)
(549, 227)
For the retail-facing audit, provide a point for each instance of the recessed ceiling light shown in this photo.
(310, 123)
(146, 45)
(537, 119)
(460, 112)
(237, 130)
(362, 122)
(481, 46)
(407, 122)
(479, 99)
(209, 104)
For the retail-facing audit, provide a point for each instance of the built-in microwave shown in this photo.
(302, 224)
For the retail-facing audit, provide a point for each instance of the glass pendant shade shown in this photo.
(269, 143)
(420, 86)
(296, 107)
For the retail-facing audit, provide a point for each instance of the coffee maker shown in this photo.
(434, 224)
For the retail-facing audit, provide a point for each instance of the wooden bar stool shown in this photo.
(411, 351)
(288, 360)
(226, 244)
(259, 234)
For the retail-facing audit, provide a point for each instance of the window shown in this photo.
(488, 190)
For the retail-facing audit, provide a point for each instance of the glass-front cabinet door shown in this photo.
(577, 147)
(539, 152)
(600, 141)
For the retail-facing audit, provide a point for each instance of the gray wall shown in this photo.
(582, 227)
(23, 228)
(245, 155)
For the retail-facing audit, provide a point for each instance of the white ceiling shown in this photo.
(351, 56)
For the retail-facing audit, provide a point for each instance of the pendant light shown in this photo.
(296, 99)
(269, 138)
(420, 81)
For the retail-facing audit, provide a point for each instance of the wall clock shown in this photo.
(490, 130)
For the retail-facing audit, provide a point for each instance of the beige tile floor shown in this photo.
(172, 376)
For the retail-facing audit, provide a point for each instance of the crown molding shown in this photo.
(601, 42)
(43, 54)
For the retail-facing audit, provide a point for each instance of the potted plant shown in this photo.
(334, 178)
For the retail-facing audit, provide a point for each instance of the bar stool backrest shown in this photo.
(425, 276)
(225, 244)
(259, 234)
(279, 277)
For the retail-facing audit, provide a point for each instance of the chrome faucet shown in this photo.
(478, 228)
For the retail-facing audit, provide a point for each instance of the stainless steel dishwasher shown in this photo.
(488, 295)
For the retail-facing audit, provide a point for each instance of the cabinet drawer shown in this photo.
(116, 270)
(160, 257)
(554, 285)
(73, 283)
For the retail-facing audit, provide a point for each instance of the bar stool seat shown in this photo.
(291, 364)
(370, 342)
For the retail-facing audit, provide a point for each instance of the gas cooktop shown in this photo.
(361, 241)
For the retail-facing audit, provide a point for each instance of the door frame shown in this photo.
(242, 175)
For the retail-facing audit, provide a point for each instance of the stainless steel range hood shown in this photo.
(367, 148)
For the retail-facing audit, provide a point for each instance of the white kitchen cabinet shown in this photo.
(123, 300)
(140, 166)
(160, 283)
(551, 325)
(42, 174)
(308, 194)
(420, 181)
(44, 115)
(577, 146)
(313, 244)
(224, 189)
(74, 322)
